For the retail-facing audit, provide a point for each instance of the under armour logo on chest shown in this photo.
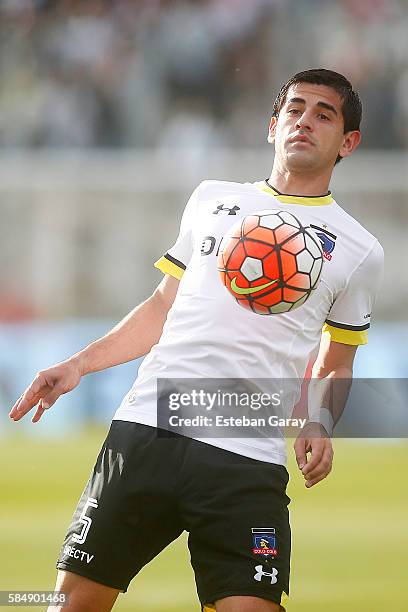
(222, 208)
(260, 573)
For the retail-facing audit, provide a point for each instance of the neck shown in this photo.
(299, 183)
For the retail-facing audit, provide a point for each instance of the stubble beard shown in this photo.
(301, 161)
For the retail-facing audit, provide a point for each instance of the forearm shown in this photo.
(131, 338)
(328, 391)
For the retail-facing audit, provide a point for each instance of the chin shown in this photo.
(301, 160)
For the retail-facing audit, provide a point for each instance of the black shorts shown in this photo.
(145, 490)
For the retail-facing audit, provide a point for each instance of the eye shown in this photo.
(323, 116)
(293, 111)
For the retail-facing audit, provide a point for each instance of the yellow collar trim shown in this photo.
(292, 199)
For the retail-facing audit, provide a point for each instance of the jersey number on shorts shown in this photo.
(85, 520)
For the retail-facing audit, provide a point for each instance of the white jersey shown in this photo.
(208, 335)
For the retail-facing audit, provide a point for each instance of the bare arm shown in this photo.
(334, 357)
(133, 337)
(334, 361)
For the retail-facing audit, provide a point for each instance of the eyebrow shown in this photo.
(325, 105)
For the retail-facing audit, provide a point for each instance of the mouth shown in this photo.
(300, 138)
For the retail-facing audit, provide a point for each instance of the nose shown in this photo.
(304, 121)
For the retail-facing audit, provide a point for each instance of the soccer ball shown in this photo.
(270, 262)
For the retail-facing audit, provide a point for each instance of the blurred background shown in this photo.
(110, 113)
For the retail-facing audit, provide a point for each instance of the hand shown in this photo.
(315, 440)
(46, 388)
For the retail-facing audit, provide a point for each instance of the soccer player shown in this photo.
(228, 493)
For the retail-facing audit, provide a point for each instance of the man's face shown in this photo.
(309, 132)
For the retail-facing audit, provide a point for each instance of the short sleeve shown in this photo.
(175, 261)
(349, 317)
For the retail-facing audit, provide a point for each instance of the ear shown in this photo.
(350, 143)
(272, 129)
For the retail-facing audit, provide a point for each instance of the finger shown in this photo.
(311, 483)
(51, 397)
(300, 452)
(47, 401)
(23, 406)
(34, 389)
(15, 407)
(41, 408)
(30, 397)
(324, 467)
(317, 448)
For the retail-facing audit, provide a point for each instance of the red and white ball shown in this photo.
(270, 262)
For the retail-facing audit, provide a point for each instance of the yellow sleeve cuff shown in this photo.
(346, 336)
(169, 267)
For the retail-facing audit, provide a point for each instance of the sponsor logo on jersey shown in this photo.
(207, 245)
(272, 575)
(327, 239)
(222, 208)
(247, 290)
(264, 541)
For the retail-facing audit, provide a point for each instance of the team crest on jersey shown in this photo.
(230, 210)
(327, 239)
(264, 541)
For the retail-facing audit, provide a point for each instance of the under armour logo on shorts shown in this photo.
(260, 573)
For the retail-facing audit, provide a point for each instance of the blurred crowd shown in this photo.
(197, 73)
